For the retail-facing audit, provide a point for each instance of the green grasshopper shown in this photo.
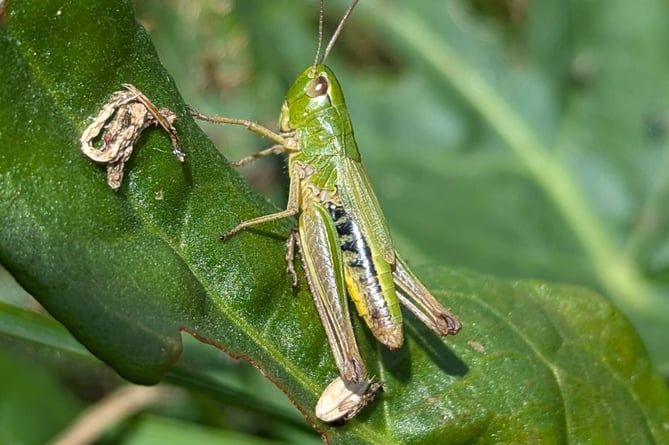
(341, 232)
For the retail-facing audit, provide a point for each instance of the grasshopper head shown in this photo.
(315, 91)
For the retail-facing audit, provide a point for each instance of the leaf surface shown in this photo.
(126, 272)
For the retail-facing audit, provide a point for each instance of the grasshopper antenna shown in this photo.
(333, 39)
(320, 34)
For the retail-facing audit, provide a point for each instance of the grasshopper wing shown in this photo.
(360, 202)
(323, 264)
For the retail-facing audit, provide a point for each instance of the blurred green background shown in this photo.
(519, 139)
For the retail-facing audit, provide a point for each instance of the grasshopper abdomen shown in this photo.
(368, 280)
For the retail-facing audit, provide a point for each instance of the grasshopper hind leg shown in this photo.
(323, 267)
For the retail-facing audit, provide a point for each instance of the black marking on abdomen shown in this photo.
(355, 249)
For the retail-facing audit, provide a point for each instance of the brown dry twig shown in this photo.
(123, 119)
(118, 405)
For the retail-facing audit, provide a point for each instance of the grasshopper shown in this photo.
(341, 233)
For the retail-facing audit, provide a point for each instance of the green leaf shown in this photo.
(126, 272)
(89, 253)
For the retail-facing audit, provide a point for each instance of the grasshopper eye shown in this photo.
(318, 87)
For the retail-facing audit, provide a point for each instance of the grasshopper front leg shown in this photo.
(283, 145)
(249, 125)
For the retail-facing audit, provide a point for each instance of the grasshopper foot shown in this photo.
(225, 236)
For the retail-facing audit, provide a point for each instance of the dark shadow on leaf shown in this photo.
(397, 362)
